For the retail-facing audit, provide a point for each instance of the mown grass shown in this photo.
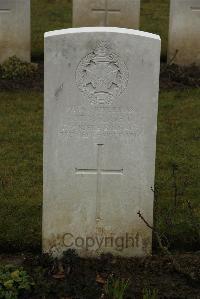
(21, 137)
(50, 15)
(178, 167)
(154, 16)
(21, 169)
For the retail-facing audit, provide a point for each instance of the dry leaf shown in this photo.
(59, 275)
(100, 279)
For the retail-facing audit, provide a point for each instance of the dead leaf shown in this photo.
(59, 275)
(100, 279)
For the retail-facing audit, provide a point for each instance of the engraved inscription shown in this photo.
(102, 75)
(99, 172)
(5, 5)
(106, 11)
(102, 121)
(5, 10)
(195, 8)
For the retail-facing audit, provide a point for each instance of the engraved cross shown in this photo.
(195, 8)
(106, 12)
(5, 10)
(5, 6)
(99, 171)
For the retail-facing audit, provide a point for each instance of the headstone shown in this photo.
(14, 29)
(115, 13)
(184, 32)
(101, 98)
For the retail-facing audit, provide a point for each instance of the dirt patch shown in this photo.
(171, 77)
(78, 278)
(15, 260)
(35, 82)
(176, 77)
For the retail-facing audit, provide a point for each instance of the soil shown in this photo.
(35, 83)
(171, 77)
(176, 77)
(78, 278)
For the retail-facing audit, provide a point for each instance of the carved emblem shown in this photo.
(102, 75)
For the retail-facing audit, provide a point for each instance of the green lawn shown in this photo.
(21, 169)
(21, 115)
(50, 15)
(178, 144)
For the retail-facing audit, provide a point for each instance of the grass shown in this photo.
(115, 288)
(21, 164)
(155, 19)
(50, 15)
(21, 169)
(178, 149)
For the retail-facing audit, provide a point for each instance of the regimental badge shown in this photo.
(102, 75)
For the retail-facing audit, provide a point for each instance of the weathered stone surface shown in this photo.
(101, 96)
(15, 29)
(115, 13)
(184, 32)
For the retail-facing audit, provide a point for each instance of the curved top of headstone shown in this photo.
(102, 29)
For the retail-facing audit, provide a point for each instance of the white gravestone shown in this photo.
(115, 13)
(101, 97)
(184, 32)
(15, 29)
